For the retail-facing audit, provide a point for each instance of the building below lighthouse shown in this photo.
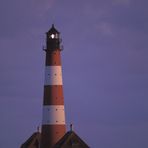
(53, 132)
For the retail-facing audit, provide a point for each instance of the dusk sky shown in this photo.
(105, 69)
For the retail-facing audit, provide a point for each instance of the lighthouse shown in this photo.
(53, 132)
(53, 119)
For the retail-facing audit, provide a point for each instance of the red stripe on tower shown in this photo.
(53, 120)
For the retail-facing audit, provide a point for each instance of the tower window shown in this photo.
(52, 36)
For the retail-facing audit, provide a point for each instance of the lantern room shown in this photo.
(53, 39)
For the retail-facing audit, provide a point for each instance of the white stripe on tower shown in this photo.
(56, 114)
(53, 75)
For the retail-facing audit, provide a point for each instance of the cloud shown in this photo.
(104, 28)
(121, 2)
(42, 6)
(20, 16)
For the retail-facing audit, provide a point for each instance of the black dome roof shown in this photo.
(53, 30)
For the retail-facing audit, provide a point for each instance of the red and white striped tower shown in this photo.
(53, 120)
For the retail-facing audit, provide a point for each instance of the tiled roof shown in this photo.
(71, 140)
(33, 141)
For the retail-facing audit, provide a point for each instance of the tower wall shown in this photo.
(53, 120)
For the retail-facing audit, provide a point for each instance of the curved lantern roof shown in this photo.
(53, 30)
